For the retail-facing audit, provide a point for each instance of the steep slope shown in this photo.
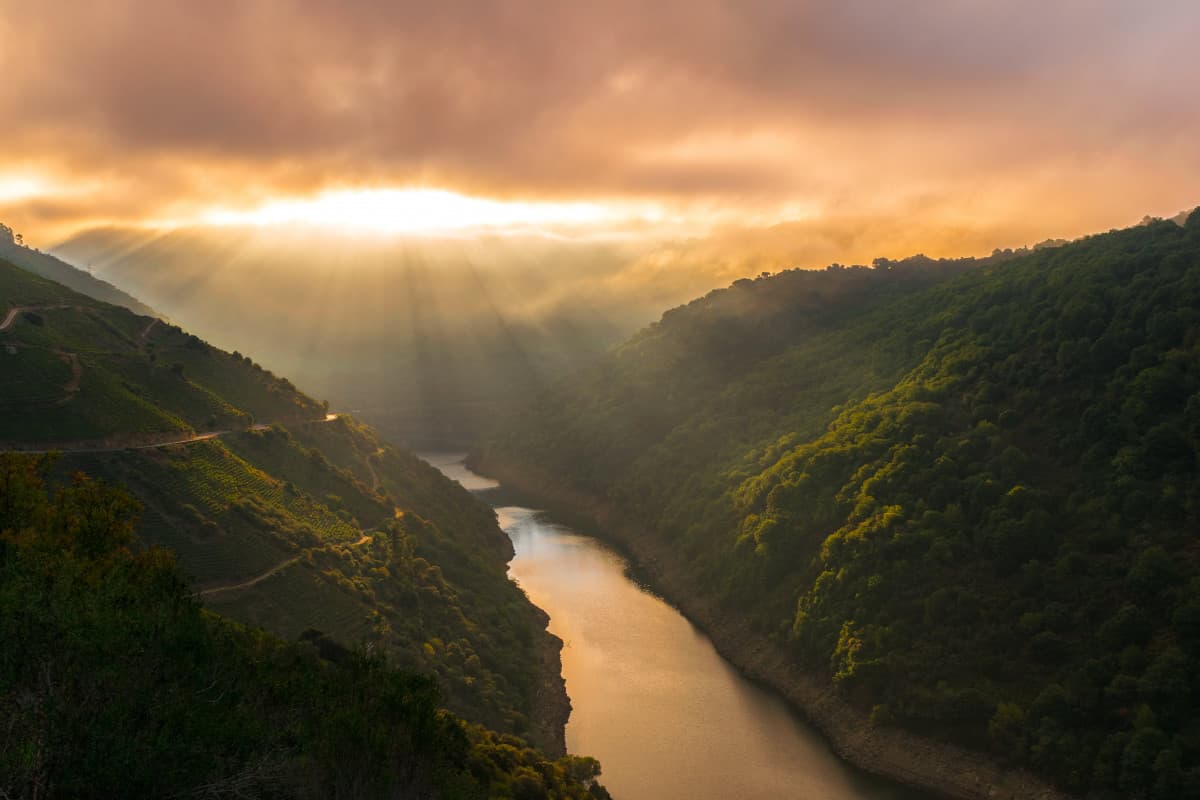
(51, 268)
(281, 515)
(971, 506)
(77, 369)
(114, 682)
(424, 337)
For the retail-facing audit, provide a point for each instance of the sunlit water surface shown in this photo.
(667, 717)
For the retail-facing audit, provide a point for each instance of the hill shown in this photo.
(78, 369)
(280, 515)
(966, 497)
(424, 338)
(117, 683)
(47, 266)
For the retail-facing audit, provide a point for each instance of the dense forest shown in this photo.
(965, 492)
(122, 685)
(307, 526)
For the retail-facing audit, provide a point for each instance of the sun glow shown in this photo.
(419, 211)
(22, 186)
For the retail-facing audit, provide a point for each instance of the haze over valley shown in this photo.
(534, 401)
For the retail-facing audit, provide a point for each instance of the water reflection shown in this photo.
(453, 467)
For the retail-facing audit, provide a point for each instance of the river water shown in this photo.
(667, 717)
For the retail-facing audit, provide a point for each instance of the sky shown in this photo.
(794, 132)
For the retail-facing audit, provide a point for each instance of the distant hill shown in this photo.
(426, 339)
(965, 496)
(280, 516)
(47, 266)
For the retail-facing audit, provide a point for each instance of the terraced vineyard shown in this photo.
(313, 524)
(277, 535)
(308, 468)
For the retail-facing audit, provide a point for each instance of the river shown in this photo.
(667, 717)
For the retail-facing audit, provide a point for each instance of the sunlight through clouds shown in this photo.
(17, 186)
(417, 211)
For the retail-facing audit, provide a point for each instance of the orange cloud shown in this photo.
(995, 115)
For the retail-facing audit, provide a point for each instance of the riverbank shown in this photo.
(934, 766)
(551, 706)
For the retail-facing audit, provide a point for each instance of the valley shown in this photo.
(944, 513)
(494, 400)
(746, 453)
(280, 515)
(666, 715)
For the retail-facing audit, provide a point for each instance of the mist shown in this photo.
(426, 337)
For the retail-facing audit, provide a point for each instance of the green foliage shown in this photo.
(428, 584)
(115, 682)
(319, 525)
(79, 369)
(968, 494)
(322, 526)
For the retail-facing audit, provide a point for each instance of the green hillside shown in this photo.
(77, 369)
(966, 494)
(416, 565)
(280, 516)
(59, 271)
(120, 684)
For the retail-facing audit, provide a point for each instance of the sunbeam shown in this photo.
(422, 211)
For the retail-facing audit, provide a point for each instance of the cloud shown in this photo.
(696, 103)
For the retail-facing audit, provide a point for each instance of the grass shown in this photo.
(169, 382)
(279, 452)
(293, 600)
(429, 586)
(21, 288)
(30, 376)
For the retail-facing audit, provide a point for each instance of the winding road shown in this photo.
(174, 440)
(280, 567)
(229, 587)
(167, 439)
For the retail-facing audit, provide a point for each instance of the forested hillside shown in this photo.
(116, 682)
(966, 494)
(279, 515)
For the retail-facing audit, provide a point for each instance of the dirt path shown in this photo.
(147, 443)
(282, 565)
(371, 467)
(12, 313)
(145, 333)
(102, 446)
(246, 584)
